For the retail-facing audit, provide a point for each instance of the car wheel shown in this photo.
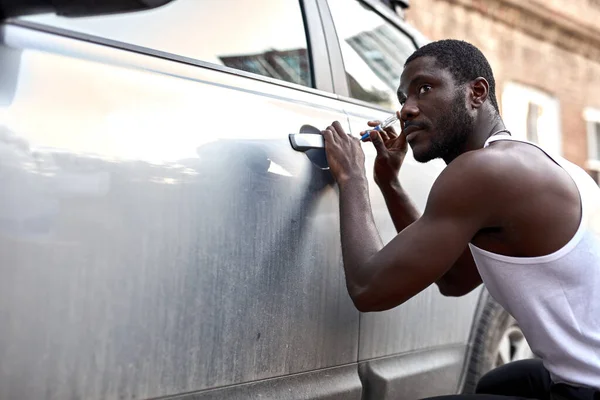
(497, 340)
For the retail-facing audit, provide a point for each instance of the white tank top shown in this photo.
(556, 298)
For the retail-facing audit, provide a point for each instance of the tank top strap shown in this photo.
(496, 138)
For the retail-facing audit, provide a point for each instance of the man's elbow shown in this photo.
(361, 298)
(365, 307)
(366, 301)
(450, 290)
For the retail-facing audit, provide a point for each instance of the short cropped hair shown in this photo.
(464, 61)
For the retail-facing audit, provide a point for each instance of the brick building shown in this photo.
(546, 58)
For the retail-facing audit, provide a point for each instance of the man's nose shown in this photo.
(409, 111)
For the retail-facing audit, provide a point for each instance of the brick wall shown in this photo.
(585, 11)
(522, 57)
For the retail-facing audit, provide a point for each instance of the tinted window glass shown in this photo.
(373, 49)
(266, 37)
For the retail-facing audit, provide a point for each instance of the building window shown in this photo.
(592, 117)
(532, 115)
(595, 137)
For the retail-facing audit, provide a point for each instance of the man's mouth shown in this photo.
(412, 131)
(410, 136)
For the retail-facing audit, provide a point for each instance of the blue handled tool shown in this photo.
(389, 121)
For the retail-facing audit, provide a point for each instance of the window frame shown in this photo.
(317, 51)
(591, 116)
(551, 108)
(340, 83)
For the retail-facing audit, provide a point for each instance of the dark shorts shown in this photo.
(527, 379)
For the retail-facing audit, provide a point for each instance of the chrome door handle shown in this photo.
(306, 141)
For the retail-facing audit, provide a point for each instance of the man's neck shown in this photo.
(483, 130)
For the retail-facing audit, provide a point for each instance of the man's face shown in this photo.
(434, 111)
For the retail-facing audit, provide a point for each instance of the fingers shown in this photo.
(373, 124)
(338, 133)
(402, 144)
(338, 129)
(390, 133)
(328, 136)
(378, 143)
(399, 115)
(386, 134)
(335, 133)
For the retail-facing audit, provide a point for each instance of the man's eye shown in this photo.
(424, 89)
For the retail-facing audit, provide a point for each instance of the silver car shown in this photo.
(168, 225)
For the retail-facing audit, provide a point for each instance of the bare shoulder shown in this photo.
(466, 186)
(507, 181)
(505, 166)
(501, 173)
(475, 175)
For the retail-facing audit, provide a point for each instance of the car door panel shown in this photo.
(339, 383)
(417, 375)
(159, 235)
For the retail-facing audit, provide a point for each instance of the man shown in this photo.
(503, 211)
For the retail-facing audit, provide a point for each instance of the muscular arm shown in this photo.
(463, 276)
(380, 278)
(399, 205)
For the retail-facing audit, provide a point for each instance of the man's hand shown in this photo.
(391, 150)
(345, 156)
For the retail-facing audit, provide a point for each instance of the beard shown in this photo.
(453, 129)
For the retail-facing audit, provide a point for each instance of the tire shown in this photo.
(497, 340)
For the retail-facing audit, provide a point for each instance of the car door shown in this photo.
(158, 234)
(417, 349)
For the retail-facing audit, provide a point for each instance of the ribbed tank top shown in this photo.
(555, 298)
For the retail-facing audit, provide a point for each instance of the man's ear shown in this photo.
(480, 89)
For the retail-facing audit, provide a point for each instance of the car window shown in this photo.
(266, 37)
(373, 49)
